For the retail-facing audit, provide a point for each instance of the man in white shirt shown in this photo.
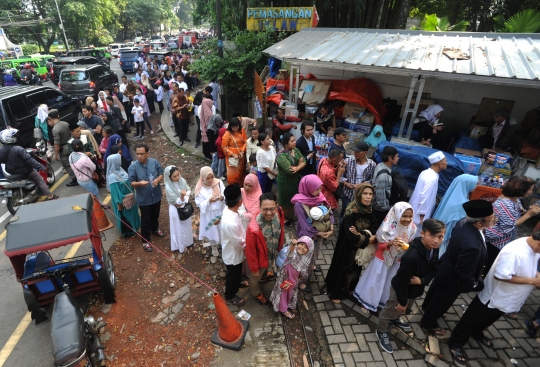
(125, 99)
(424, 196)
(233, 241)
(506, 288)
(180, 81)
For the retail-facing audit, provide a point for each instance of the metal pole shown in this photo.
(62, 26)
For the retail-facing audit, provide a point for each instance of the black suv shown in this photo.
(18, 109)
(63, 62)
(98, 54)
(86, 80)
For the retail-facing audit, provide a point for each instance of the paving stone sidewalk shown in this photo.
(352, 339)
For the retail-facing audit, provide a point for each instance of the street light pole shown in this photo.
(222, 106)
(62, 26)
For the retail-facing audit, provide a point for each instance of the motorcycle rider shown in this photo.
(19, 162)
(28, 74)
(9, 79)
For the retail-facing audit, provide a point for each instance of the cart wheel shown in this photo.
(107, 279)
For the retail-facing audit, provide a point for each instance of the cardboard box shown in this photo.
(353, 110)
(471, 164)
(491, 170)
(472, 153)
(424, 103)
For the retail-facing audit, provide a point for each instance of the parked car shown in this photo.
(98, 54)
(18, 109)
(173, 45)
(63, 62)
(84, 81)
(158, 46)
(128, 59)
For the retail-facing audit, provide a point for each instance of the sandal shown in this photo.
(317, 269)
(365, 311)
(457, 355)
(244, 284)
(269, 276)
(531, 329)
(336, 301)
(485, 342)
(511, 316)
(288, 315)
(437, 331)
(236, 301)
(54, 197)
(159, 233)
(147, 247)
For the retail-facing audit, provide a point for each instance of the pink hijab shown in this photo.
(309, 184)
(251, 200)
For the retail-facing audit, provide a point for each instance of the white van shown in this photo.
(114, 47)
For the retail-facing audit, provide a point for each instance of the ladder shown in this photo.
(417, 78)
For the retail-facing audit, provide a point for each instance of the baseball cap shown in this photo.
(360, 147)
(340, 131)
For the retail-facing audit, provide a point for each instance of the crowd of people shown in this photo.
(388, 248)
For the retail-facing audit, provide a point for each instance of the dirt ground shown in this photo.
(144, 279)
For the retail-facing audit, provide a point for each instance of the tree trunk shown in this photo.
(403, 14)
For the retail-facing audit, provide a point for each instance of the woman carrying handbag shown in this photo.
(180, 209)
(123, 199)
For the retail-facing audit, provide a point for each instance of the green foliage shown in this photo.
(526, 21)
(241, 57)
(433, 23)
(30, 49)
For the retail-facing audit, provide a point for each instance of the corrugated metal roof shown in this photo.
(490, 57)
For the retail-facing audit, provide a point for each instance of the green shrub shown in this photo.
(30, 49)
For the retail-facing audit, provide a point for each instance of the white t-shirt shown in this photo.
(516, 258)
(123, 91)
(266, 159)
(138, 115)
(360, 168)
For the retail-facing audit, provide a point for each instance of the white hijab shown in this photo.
(430, 112)
(172, 190)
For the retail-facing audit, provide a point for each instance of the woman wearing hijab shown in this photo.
(205, 113)
(376, 136)
(102, 103)
(115, 149)
(428, 123)
(450, 209)
(212, 132)
(41, 121)
(251, 192)
(119, 186)
(354, 233)
(373, 289)
(209, 198)
(295, 271)
(149, 94)
(117, 140)
(83, 167)
(233, 144)
(177, 192)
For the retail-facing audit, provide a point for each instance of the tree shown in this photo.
(526, 21)
(433, 23)
(241, 57)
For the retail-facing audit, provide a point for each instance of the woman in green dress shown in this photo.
(290, 162)
(119, 186)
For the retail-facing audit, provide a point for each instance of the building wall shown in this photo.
(460, 100)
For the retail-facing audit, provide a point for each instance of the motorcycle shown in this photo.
(75, 338)
(17, 190)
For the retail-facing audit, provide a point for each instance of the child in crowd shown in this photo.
(291, 276)
(253, 164)
(138, 114)
(418, 267)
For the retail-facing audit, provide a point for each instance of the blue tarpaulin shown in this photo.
(414, 159)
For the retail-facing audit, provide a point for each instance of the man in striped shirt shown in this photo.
(358, 169)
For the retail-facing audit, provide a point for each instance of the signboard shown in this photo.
(282, 19)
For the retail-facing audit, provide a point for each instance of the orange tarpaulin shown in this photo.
(362, 91)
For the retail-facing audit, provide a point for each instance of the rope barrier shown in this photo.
(171, 259)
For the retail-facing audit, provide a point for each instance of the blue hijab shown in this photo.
(450, 210)
(373, 140)
(113, 140)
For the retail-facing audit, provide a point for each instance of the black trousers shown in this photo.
(128, 108)
(176, 124)
(149, 220)
(474, 321)
(439, 298)
(232, 280)
(183, 125)
(199, 135)
(122, 134)
(161, 108)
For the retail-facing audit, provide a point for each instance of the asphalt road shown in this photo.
(24, 344)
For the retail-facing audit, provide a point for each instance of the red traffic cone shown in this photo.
(103, 222)
(230, 332)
